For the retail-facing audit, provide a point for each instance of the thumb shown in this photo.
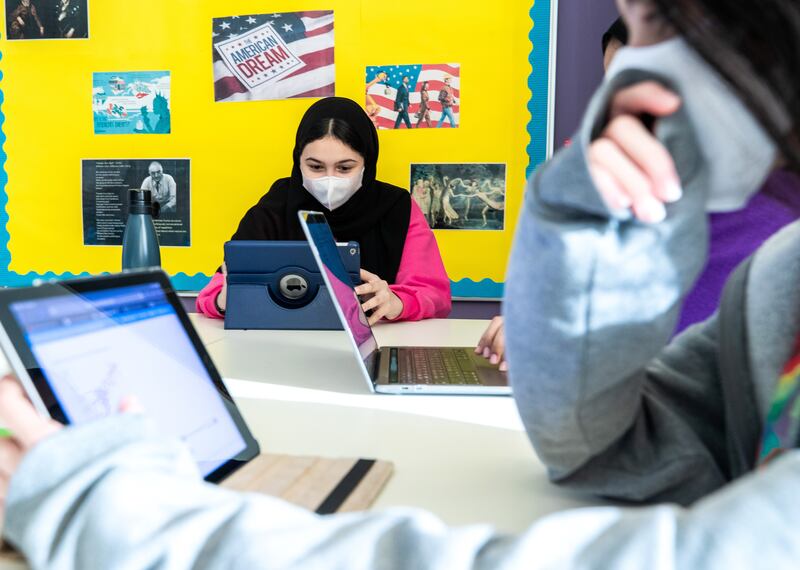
(19, 415)
(130, 405)
(649, 97)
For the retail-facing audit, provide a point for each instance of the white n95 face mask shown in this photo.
(333, 191)
(737, 151)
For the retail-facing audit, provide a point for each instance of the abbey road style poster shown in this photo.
(421, 96)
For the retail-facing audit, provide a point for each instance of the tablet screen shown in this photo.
(97, 347)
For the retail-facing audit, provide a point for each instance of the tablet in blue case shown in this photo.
(277, 285)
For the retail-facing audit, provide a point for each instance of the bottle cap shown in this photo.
(140, 202)
(136, 196)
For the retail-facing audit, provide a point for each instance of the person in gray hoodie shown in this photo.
(607, 406)
(613, 234)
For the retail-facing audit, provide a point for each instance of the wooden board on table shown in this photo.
(319, 484)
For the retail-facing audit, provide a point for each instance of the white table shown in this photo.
(465, 458)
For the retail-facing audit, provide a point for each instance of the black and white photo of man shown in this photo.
(162, 187)
(106, 185)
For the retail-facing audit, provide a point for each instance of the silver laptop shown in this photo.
(397, 369)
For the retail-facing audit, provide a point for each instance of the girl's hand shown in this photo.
(629, 166)
(27, 429)
(222, 296)
(492, 344)
(380, 299)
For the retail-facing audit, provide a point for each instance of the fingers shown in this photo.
(386, 305)
(373, 285)
(365, 289)
(629, 166)
(222, 296)
(498, 347)
(612, 193)
(131, 405)
(20, 416)
(378, 314)
(382, 300)
(492, 344)
(10, 456)
(376, 300)
(4, 482)
(487, 338)
(649, 97)
(648, 154)
(607, 158)
(390, 309)
(367, 276)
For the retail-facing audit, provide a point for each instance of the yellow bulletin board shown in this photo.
(237, 149)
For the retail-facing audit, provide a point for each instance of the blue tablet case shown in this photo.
(277, 285)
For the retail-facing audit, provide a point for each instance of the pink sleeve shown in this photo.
(205, 300)
(422, 282)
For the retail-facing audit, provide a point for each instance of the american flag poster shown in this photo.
(273, 56)
(413, 96)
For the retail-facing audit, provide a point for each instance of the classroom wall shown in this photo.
(579, 60)
(238, 149)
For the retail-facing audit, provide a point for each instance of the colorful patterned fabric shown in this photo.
(783, 420)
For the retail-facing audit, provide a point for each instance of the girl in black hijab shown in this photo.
(334, 172)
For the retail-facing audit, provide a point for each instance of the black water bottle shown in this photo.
(140, 242)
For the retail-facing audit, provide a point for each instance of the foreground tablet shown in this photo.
(80, 346)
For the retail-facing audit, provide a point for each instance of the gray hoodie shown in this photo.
(591, 302)
(115, 495)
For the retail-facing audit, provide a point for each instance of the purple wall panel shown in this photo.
(579, 60)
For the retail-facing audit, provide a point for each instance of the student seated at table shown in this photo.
(618, 226)
(115, 494)
(334, 172)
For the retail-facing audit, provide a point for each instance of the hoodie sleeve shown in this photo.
(115, 495)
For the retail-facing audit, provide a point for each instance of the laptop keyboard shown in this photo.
(434, 366)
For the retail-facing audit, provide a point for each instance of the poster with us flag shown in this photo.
(273, 56)
(414, 96)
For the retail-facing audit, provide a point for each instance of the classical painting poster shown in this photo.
(460, 196)
(136, 102)
(106, 184)
(414, 96)
(47, 19)
(273, 56)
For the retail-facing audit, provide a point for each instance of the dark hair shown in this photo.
(755, 46)
(617, 31)
(336, 128)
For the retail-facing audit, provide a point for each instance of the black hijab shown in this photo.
(376, 216)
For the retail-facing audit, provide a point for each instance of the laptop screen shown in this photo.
(98, 347)
(319, 233)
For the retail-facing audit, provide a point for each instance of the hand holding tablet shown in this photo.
(81, 347)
